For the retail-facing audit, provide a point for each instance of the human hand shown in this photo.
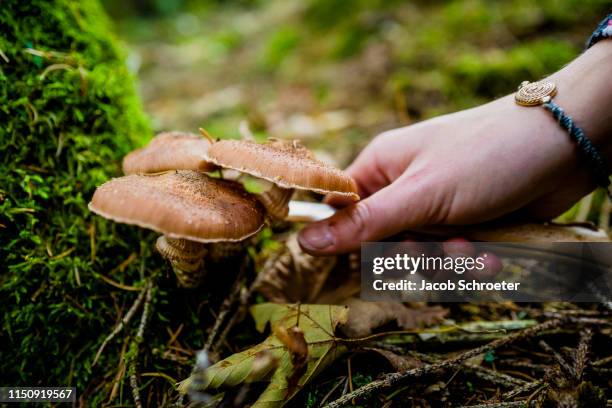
(472, 166)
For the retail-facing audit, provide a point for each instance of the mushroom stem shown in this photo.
(276, 201)
(306, 211)
(220, 251)
(186, 258)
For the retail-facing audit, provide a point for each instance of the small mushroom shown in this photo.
(286, 164)
(170, 151)
(190, 208)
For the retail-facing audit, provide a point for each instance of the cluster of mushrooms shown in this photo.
(174, 186)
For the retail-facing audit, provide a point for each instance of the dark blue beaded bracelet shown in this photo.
(541, 93)
(603, 30)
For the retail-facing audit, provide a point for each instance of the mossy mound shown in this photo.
(68, 113)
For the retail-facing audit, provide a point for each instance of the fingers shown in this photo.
(367, 175)
(368, 179)
(387, 212)
(381, 162)
(378, 165)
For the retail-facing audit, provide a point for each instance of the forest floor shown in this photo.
(334, 76)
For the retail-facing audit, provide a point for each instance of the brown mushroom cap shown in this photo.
(286, 164)
(181, 204)
(169, 151)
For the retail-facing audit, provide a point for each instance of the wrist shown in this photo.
(584, 92)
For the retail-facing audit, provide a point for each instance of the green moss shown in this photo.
(69, 112)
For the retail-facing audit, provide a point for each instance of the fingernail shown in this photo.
(316, 237)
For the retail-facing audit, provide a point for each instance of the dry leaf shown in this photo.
(365, 317)
(399, 363)
(291, 275)
(344, 281)
(316, 323)
(293, 339)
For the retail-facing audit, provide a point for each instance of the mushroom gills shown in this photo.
(276, 201)
(186, 258)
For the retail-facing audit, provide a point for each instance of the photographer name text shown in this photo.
(461, 285)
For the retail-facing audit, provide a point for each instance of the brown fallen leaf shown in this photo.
(399, 363)
(293, 339)
(291, 275)
(343, 282)
(364, 317)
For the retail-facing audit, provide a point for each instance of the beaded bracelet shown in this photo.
(603, 30)
(541, 93)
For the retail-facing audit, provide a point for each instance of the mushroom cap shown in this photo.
(169, 151)
(284, 163)
(181, 204)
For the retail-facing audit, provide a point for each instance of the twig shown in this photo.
(133, 369)
(502, 404)
(4, 57)
(145, 313)
(603, 361)
(558, 358)
(522, 389)
(135, 392)
(392, 379)
(226, 306)
(584, 316)
(484, 373)
(494, 377)
(120, 373)
(582, 353)
(571, 312)
(125, 320)
(602, 370)
(330, 392)
(524, 364)
(245, 296)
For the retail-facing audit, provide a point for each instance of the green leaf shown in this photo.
(317, 322)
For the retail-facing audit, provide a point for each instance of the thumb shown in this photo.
(393, 209)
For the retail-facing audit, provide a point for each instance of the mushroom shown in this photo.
(170, 151)
(180, 151)
(286, 164)
(190, 208)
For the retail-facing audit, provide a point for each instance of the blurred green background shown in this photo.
(333, 73)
